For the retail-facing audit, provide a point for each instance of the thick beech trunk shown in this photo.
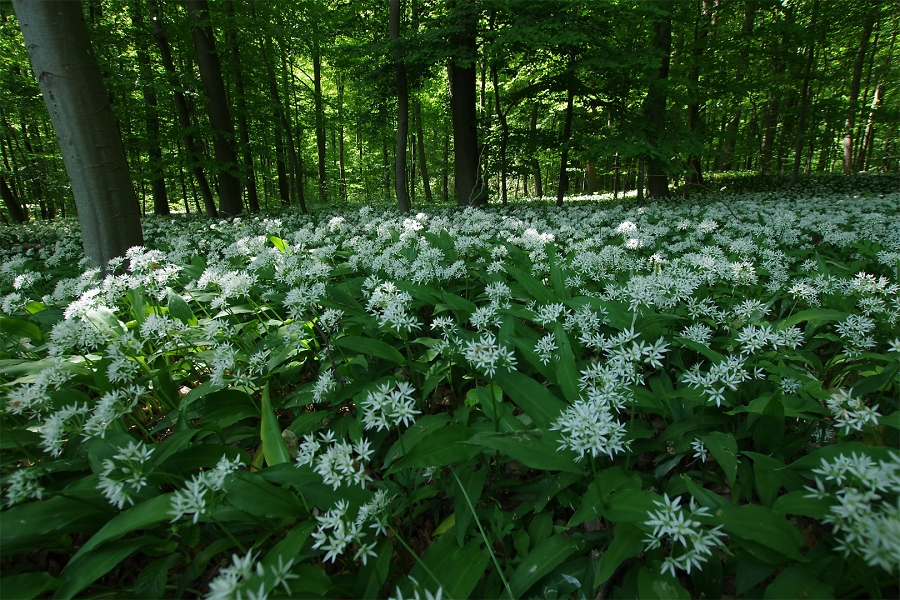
(11, 203)
(217, 107)
(59, 47)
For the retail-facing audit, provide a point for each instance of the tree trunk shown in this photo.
(566, 136)
(342, 172)
(249, 174)
(217, 107)
(804, 96)
(701, 32)
(59, 47)
(852, 108)
(535, 165)
(400, 183)
(151, 118)
(320, 120)
(192, 148)
(504, 132)
(11, 203)
(294, 159)
(464, 105)
(655, 108)
(423, 165)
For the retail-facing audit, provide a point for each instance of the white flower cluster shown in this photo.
(755, 338)
(339, 463)
(23, 484)
(392, 307)
(192, 500)
(126, 473)
(867, 508)
(855, 330)
(591, 425)
(690, 542)
(389, 406)
(238, 581)
(725, 374)
(487, 355)
(335, 532)
(850, 413)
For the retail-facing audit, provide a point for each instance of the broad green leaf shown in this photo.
(440, 448)
(462, 307)
(873, 383)
(536, 449)
(628, 542)
(723, 447)
(812, 314)
(370, 347)
(224, 407)
(598, 492)
(798, 581)
(469, 485)
(830, 452)
(26, 523)
(151, 581)
(179, 309)
(415, 434)
(458, 568)
(797, 503)
(764, 526)
(540, 561)
(28, 585)
(657, 586)
(566, 373)
(78, 574)
(703, 349)
(278, 243)
(273, 446)
(142, 516)
(538, 402)
(630, 506)
(252, 494)
(489, 401)
(10, 326)
(535, 288)
(374, 573)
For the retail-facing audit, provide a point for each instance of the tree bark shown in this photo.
(192, 147)
(320, 120)
(217, 107)
(504, 132)
(59, 48)
(804, 96)
(400, 182)
(464, 105)
(12, 203)
(342, 172)
(237, 73)
(535, 165)
(426, 182)
(151, 118)
(566, 136)
(852, 108)
(655, 107)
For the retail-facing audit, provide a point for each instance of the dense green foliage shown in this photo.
(749, 81)
(681, 399)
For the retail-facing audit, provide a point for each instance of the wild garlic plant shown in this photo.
(509, 401)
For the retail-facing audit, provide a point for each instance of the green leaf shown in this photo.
(798, 581)
(535, 288)
(374, 573)
(28, 585)
(440, 448)
(764, 526)
(544, 558)
(724, 449)
(147, 514)
(566, 373)
(19, 327)
(657, 586)
(538, 402)
(278, 243)
(78, 574)
(370, 347)
(703, 349)
(536, 449)
(598, 492)
(252, 494)
(458, 569)
(470, 484)
(26, 523)
(628, 542)
(179, 309)
(812, 314)
(151, 581)
(273, 446)
(797, 503)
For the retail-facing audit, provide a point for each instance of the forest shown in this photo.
(445, 299)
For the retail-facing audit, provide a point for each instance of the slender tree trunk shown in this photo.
(11, 203)
(184, 115)
(59, 48)
(240, 96)
(504, 132)
(295, 161)
(445, 174)
(535, 165)
(655, 107)
(320, 119)
(877, 100)
(154, 150)
(566, 136)
(342, 172)
(726, 157)
(464, 105)
(400, 182)
(217, 107)
(852, 108)
(804, 96)
(426, 182)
